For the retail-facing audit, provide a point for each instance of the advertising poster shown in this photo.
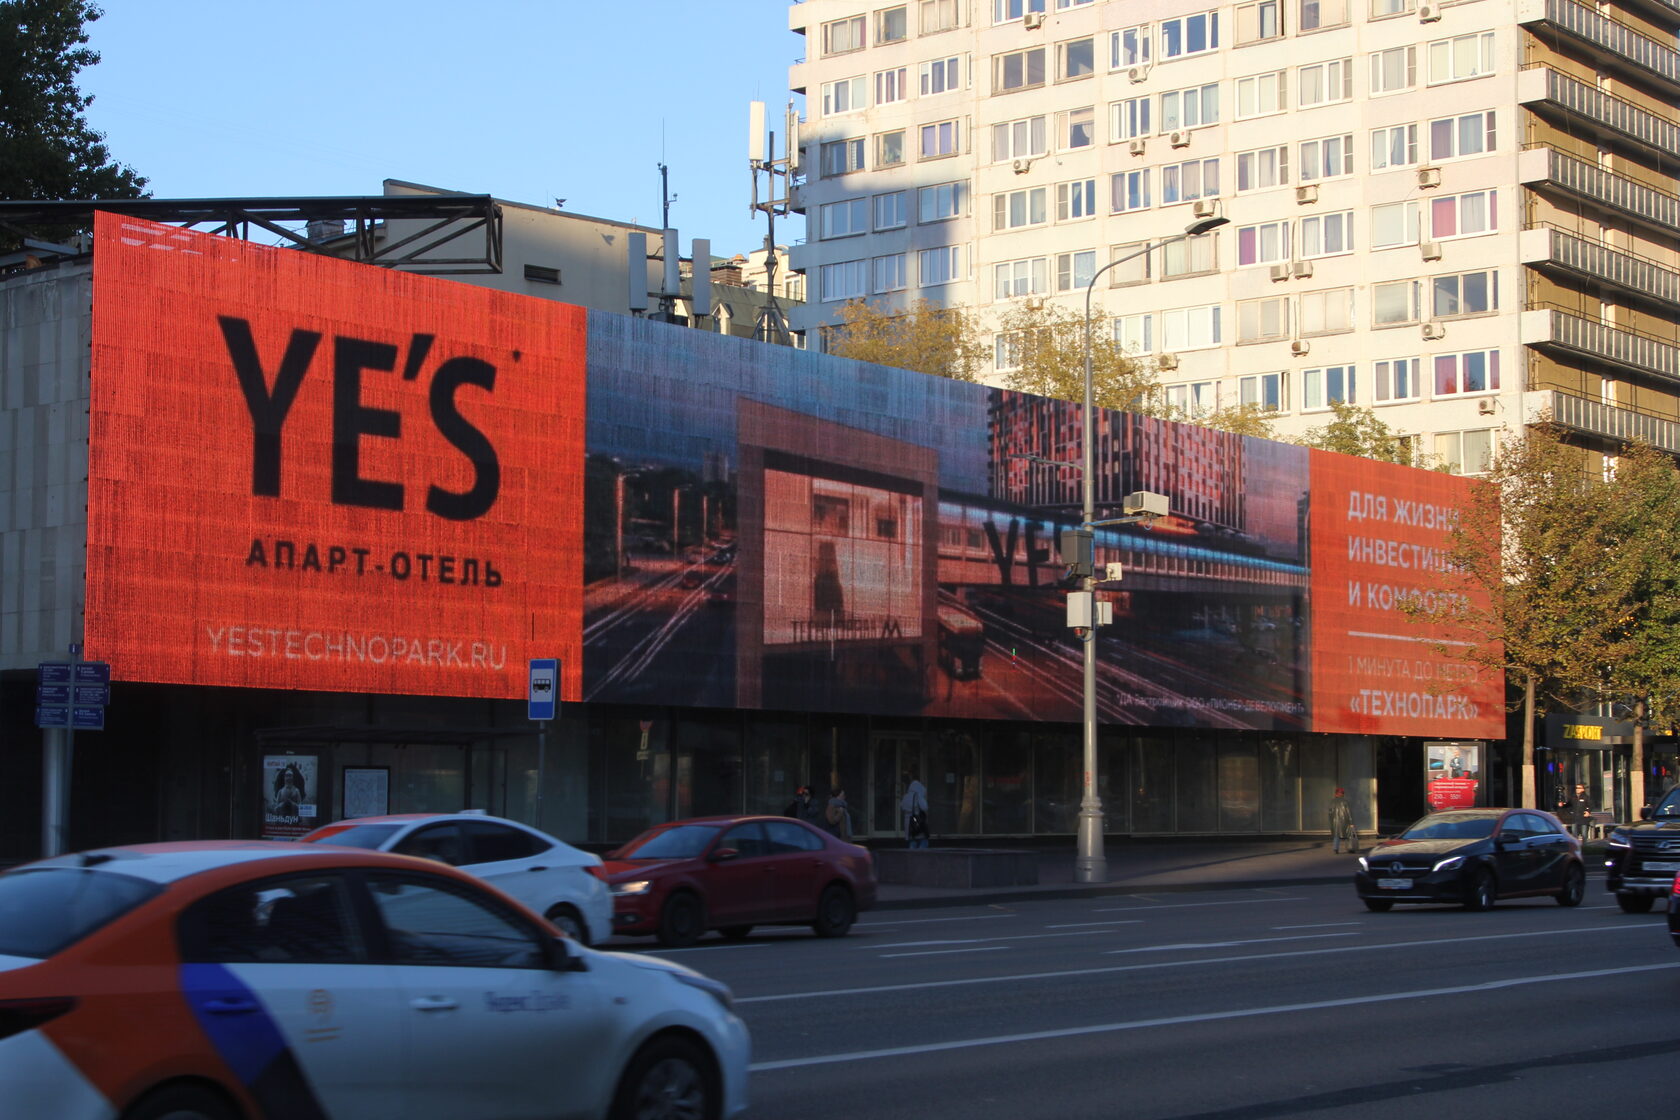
(290, 794)
(367, 792)
(1454, 774)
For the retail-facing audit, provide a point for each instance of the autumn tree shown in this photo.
(1358, 431)
(1238, 419)
(1044, 347)
(927, 338)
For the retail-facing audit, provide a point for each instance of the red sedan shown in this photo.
(681, 879)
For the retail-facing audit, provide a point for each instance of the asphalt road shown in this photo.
(1235, 1005)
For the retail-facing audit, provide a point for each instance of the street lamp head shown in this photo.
(1203, 225)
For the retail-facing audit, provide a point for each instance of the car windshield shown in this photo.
(1670, 806)
(49, 909)
(371, 836)
(685, 841)
(1451, 826)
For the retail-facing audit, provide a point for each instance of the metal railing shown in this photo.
(1613, 422)
(1657, 59)
(1640, 126)
(1594, 260)
(1601, 342)
(1593, 184)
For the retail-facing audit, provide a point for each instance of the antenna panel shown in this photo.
(755, 131)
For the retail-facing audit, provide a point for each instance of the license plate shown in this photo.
(1665, 866)
(1394, 884)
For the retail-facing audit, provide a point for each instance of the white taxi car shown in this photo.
(242, 980)
(548, 875)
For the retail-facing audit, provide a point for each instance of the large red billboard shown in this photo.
(308, 473)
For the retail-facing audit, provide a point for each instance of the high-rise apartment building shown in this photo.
(1462, 215)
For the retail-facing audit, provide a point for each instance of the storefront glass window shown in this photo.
(1152, 785)
(1056, 769)
(1114, 784)
(1318, 782)
(1198, 786)
(954, 784)
(1280, 791)
(1239, 786)
(775, 765)
(1008, 784)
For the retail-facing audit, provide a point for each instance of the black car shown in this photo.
(1641, 859)
(1474, 857)
(1674, 912)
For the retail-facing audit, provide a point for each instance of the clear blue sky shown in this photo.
(528, 100)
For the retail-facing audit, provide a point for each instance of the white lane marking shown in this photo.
(1321, 925)
(1226, 944)
(1073, 973)
(1001, 937)
(712, 947)
(1191, 905)
(928, 921)
(1115, 922)
(944, 952)
(1205, 1017)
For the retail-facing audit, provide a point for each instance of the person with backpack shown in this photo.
(837, 818)
(913, 807)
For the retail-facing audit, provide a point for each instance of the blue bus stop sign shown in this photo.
(545, 685)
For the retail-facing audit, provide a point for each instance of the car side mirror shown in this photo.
(723, 854)
(564, 955)
(1645, 813)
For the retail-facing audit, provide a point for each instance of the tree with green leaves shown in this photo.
(1045, 347)
(1238, 419)
(1358, 431)
(47, 149)
(927, 338)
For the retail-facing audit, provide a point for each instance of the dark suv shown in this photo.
(1642, 858)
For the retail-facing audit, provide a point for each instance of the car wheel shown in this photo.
(1378, 905)
(1635, 903)
(682, 921)
(835, 912)
(1480, 895)
(182, 1102)
(668, 1079)
(1574, 887)
(736, 933)
(569, 922)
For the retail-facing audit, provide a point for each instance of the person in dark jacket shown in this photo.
(1341, 823)
(800, 807)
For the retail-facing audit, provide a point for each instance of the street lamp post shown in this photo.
(1090, 864)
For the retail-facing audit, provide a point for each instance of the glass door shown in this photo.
(890, 755)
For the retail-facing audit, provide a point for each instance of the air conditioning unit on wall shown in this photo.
(1434, 332)
(1431, 250)
(1137, 146)
(1429, 13)
(1280, 271)
(1302, 269)
(1138, 73)
(1300, 347)
(1179, 138)
(1429, 177)
(1486, 406)
(1307, 192)
(1032, 21)
(1166, 361)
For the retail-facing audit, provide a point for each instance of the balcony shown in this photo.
(1611, 121)
(1549, 170)
(1557, 252)
(1572, 337)
(1606, 421)
(1607, 42)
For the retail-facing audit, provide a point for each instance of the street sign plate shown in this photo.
(53, 672)
(52, 717)
(52, 695)
(545, 683)
(87, 717)
(99, 694)
(93, 672)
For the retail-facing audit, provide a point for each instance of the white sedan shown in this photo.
(548, 875)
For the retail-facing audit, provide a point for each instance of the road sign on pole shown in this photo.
(545, 686)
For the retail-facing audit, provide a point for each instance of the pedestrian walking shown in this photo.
(1580, 813)
(838, 815)
(913, 808)
(800, 807)
(1341, 823)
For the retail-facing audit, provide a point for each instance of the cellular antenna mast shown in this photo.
(779, 178)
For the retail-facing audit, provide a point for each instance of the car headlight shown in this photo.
(1616, 840)
(714, 988)
(1363, 866)
(635, 886)
(1449, 863)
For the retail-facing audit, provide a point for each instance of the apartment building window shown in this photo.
(941, 201)
(892, 85)
(939, 266)
(1316, 15)
(1394, 223)
(1005, 10)
(845, 280)
(1019, 209)
(1134, 270)
(889, 148)
(1128, 119)
(1076, 58)
(846, 218)
(1464, 215)
(1260, 21)
(1321, 388)
(1063, 5)
(1476, 371)
(1261, 320)
(1076, 200)
(1326, 311)
(938, 140)
(1327, 235)
(1022, 139)
(1030, 277)
(1465, 452)
(1128, 47)
(1472, 134)
(1381, 9)
(1193, 398)
(1192, 179)
(844, 35)
(1262, 168)
(1135, 334)
(1076, 128)
(1266, 243)
(1329, 157)
(1396, 303)
(1262, 390)
(841, 156)
(939, 15)
(942, 75)
(1006, 350)
(892, 210)
(1128, 190)
(1324, 83)
(1190, 35)
(888, 273)
(1396, 379)
(1393, 70)
(1395, 146)
(1074, 270)
(1192, 257)
(1018, 70)
(1190, 108)
(848, 95)
(1460, 58)
(1464, 293)
(1191, 328)
(1260, 94)
(892, 25)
